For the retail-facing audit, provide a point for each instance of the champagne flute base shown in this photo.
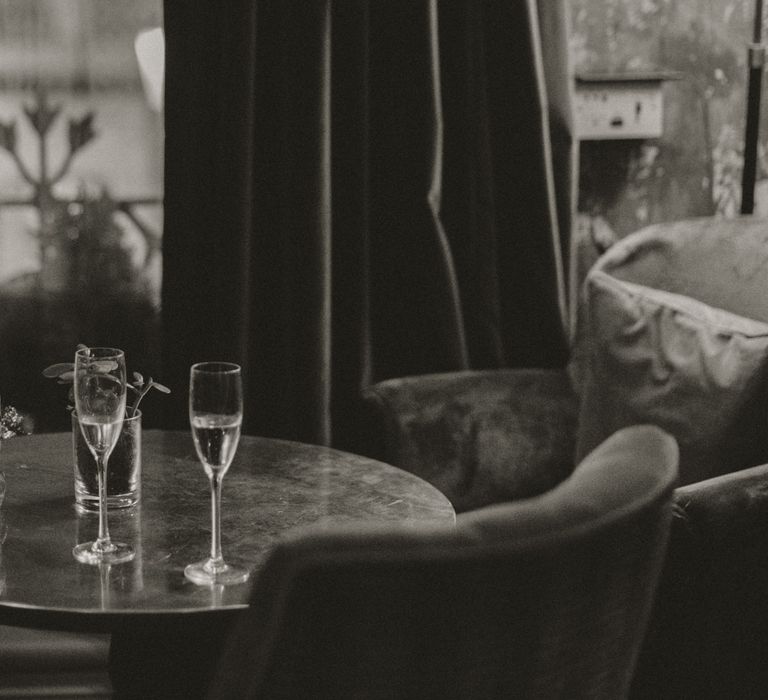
(203, 574)
(88, 553)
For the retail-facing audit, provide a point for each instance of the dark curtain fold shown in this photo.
(554, 23)
(358, 190)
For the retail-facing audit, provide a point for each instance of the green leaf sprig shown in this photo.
(64, 373)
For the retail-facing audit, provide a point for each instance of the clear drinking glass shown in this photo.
(99, 387)
(215, 415)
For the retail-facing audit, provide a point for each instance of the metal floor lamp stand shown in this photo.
(756, 59)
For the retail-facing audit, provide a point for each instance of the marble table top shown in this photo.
(271, 487)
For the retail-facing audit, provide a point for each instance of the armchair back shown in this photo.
(546, 597)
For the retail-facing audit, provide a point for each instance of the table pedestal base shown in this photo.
(166, 659)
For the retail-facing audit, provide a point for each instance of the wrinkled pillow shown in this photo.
(659, 357)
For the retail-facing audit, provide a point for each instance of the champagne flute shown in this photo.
(99, 388)
(215, 415)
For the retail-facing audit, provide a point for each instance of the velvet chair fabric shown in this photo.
(673, 331)
(708, 635)
(481, 437)
(547, 597)
(360, 190)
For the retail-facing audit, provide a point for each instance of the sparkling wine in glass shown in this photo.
(99, 388)
(215, 416)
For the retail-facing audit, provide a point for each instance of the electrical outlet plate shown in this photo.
(619, 106)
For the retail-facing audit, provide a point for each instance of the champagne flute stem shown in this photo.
(217, 561)
(103, 542)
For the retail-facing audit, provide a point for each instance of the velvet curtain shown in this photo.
(358, 190)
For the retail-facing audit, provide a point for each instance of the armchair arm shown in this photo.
(481, 437)
(723, 509)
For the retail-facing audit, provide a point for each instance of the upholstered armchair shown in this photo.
(480, 437)
(545, 597)
(708, 635)
(673, 331)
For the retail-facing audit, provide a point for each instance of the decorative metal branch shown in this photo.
(150, 237)
(8, 142)
(42, 116)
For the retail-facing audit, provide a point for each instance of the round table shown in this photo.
(272, 486)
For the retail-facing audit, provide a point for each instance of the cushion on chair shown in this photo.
(667, 344)
(481, 437)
